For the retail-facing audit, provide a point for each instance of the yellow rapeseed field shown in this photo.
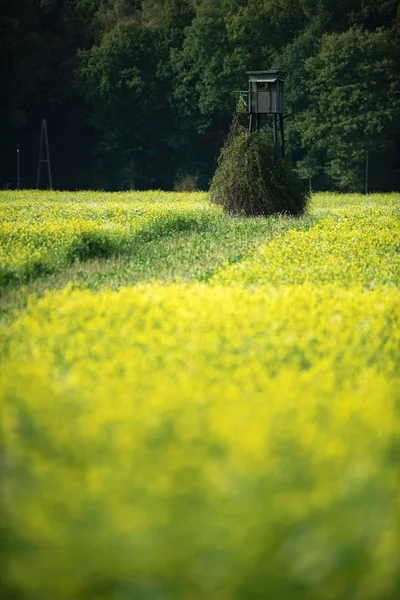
(40, 235)
(345, 247)
(233, 438)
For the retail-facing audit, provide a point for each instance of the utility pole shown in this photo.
(44, 138)
(18, 167)
(366, 172)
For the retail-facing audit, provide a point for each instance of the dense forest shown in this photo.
(139, 94)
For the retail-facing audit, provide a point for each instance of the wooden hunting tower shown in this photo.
(264, 97)
(266, 92)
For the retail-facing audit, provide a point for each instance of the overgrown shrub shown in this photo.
(250, 180)
(185, 183)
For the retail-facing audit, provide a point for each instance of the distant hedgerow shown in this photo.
(250, 180)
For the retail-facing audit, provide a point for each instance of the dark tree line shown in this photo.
(138, 94)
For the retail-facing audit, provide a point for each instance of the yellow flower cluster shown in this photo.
(40, 234)
(232, 439)
(347, 247)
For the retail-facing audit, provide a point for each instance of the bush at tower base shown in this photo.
(250, 181)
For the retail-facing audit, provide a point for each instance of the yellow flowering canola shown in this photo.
(345, 247)
(40, 235)
(234, 439)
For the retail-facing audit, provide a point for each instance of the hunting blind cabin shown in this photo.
(264, 97)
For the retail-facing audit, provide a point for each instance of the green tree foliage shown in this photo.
(38, 45)
(21, 75)
(127, 81)
(139, 93)
(354, 101)
(224, 40)
(118, 79)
